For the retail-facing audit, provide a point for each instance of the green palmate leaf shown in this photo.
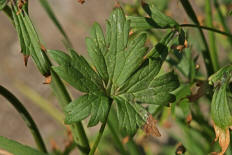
(221, 105)
(85, 105)
(12, 147)
(29, 40)
(159, 19)
(123, 72)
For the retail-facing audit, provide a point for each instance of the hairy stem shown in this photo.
(26, 117)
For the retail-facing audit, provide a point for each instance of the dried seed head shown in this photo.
(25, 58)
(150, 127)
(189, 118)
(69, 141)
(185, 43)
(117, 4)
(197, 66)
(48, 80)
(131, 32)
(180, 47)
(81, 1)
(180, 149)
(20, 6)
(125, 139)
(53, 145)
(43, 48)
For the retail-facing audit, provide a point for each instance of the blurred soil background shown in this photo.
(76, 19)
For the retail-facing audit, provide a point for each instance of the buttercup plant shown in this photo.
(126, 84)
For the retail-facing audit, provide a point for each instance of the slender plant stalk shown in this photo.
(116, 138)
(222, 20)
(207, 28)
(190, 12)
(45, 4)
(41, 103)
(26, 117)
(212, 43)
(64, 99)
(101, 131)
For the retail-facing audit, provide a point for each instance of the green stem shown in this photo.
(52, 16)
(116, 138)
(222, 20)
(207, 28)
(64, 99)
(41, 102)
(25, 116)
(189, 10)
(101, 131)
(212, 43)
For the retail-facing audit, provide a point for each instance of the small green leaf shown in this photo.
(10, 146)
(85, 105)
(220, 107)
(219, 74)
(160, 20)
(76, 79)
(76, 71)
(3, 4)
(140, 23)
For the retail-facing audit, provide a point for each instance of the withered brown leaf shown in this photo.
(150, 127)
